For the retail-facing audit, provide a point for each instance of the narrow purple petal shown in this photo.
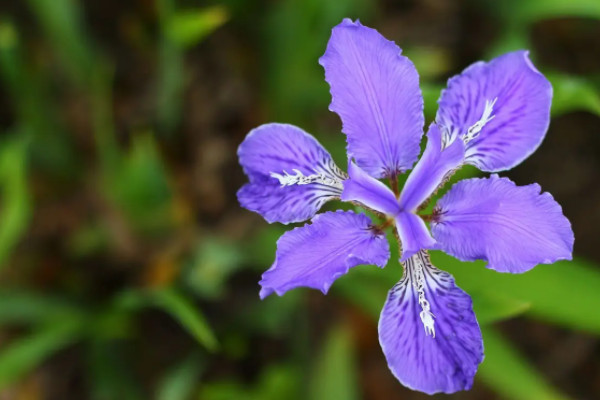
(413, 234)
(435, 165)
(291, 174)
(428, 331)
(517, 97)
(513, 227)
(369, 191)
(376, 93)
(317, 254)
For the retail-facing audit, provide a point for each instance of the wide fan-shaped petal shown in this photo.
(513, 227)
(505, 104)
(291, 174)
(316, 254)
(376, 93)
(428, 331)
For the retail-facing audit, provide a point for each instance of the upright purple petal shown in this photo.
(413, 234)
(513, 228)
(428, 331)
(317, 254)
(502, 110)
(435, 165)
(367, 190)
(376, 93)
(291, 174)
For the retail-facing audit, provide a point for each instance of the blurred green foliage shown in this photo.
(136, 184)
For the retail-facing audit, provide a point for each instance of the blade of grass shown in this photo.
(31, 308)
(180, 381)
(335, 373)
(187, 314)
(16, 207)
(564, 293)
(573, 93)
(25, 354)
(509, 374)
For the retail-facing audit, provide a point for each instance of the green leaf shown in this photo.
(509, 374)
(171, 74)
(536, 10)
(174, 303)
(23, 307)
(62, 24)
(111, 372)
(572, 93)
(295, 35)
(187, 314)
(431, 94)
(212, 264)
(181, 30)
(564, 293)
(100, 91)
(262, 246)
(140, 186)
(16, 204)
(365, 289)
(491, 306)
(187, 28)
(517, 16)
(180, 381)
(25, 354)
(50, 148)
(430, 61)
(335, 374)
(276, 382)
(225, 390)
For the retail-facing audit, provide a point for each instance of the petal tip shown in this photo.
(528, 62)
(265, 292)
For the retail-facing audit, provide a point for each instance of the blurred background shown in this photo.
(128, 269)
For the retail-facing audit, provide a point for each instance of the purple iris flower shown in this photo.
(493, 116)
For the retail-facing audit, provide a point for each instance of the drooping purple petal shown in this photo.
(317, 254)
(413, 234)
(369, 191)
(501, 107)
(435, 165)
(376, 93)
(291, 174)
(513, 227)
(428, 331)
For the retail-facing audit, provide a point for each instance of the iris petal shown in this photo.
(428, 331)
(513, 227)
(316, 254)
(435, 165)
(376, 93)
(413, 234)
(291, 174)
(502, 107)
(369, 191)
